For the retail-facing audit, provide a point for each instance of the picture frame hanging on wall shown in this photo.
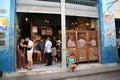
(3, 23)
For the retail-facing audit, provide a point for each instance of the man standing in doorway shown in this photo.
(29, 53)
(48, 51)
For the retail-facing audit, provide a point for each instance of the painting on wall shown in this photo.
(3, 23)
(49, 31)
(43, 32)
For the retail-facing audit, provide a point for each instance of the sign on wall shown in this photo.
(3, 23)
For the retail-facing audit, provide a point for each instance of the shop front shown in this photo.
(39, 26)
(92, 34)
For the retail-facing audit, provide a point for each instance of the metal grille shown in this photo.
(50, 0)
(83, 2)
(79, 2)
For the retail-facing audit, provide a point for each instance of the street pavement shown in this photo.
(65, 74)
(114, 75)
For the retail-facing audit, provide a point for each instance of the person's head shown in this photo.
(21, 40)
(59, 41)
(72, 55)
(48, 38)
(41, 40)
(54, 37)
(27, 39)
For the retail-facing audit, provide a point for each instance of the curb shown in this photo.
(61, 73)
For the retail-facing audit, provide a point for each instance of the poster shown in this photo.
(49, 31)
(34, 29)
(3, 23)
(43, 32)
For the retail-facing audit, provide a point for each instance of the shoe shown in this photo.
(56, 60)
(29, 69)
(47, 65)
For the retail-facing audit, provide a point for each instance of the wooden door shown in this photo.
(84, 44)
(71, 42)
(93, 45)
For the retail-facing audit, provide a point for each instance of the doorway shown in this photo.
(44, 25)
(38, 26)
(117, 24)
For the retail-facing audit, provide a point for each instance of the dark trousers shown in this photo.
(49, 58)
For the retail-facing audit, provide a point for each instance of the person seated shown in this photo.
(71, 62)
(36, 50)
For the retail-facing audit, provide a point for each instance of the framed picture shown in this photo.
(49, 31)
(2, 34)
(2, 42)
(43, 32)
(34, 29)
(3, 23)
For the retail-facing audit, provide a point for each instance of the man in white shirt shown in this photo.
(48, 51)
(29, 53)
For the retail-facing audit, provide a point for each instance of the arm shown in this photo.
(45, 49)
(19, 52)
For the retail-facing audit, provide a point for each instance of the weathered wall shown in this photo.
(107, 32)
(7, 51)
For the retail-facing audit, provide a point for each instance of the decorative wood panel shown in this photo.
(84, 44)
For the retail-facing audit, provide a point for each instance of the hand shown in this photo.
(44, 52)
(22, 55)
(24, 45)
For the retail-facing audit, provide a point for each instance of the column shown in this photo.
(107, 32)
(63, 33)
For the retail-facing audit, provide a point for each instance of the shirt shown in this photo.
(42, 46)
(48, 46)
(30, 43)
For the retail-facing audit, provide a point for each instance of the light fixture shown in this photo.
(46, 21)
(72, 23)
(26, 19)
(87, 24)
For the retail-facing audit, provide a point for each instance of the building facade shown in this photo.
(63, 14)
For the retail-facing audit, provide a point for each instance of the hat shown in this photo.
(59, 41)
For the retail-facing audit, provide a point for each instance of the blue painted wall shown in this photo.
(7, 52)
(107, 32)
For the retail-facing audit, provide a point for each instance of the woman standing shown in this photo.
(21, 54)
